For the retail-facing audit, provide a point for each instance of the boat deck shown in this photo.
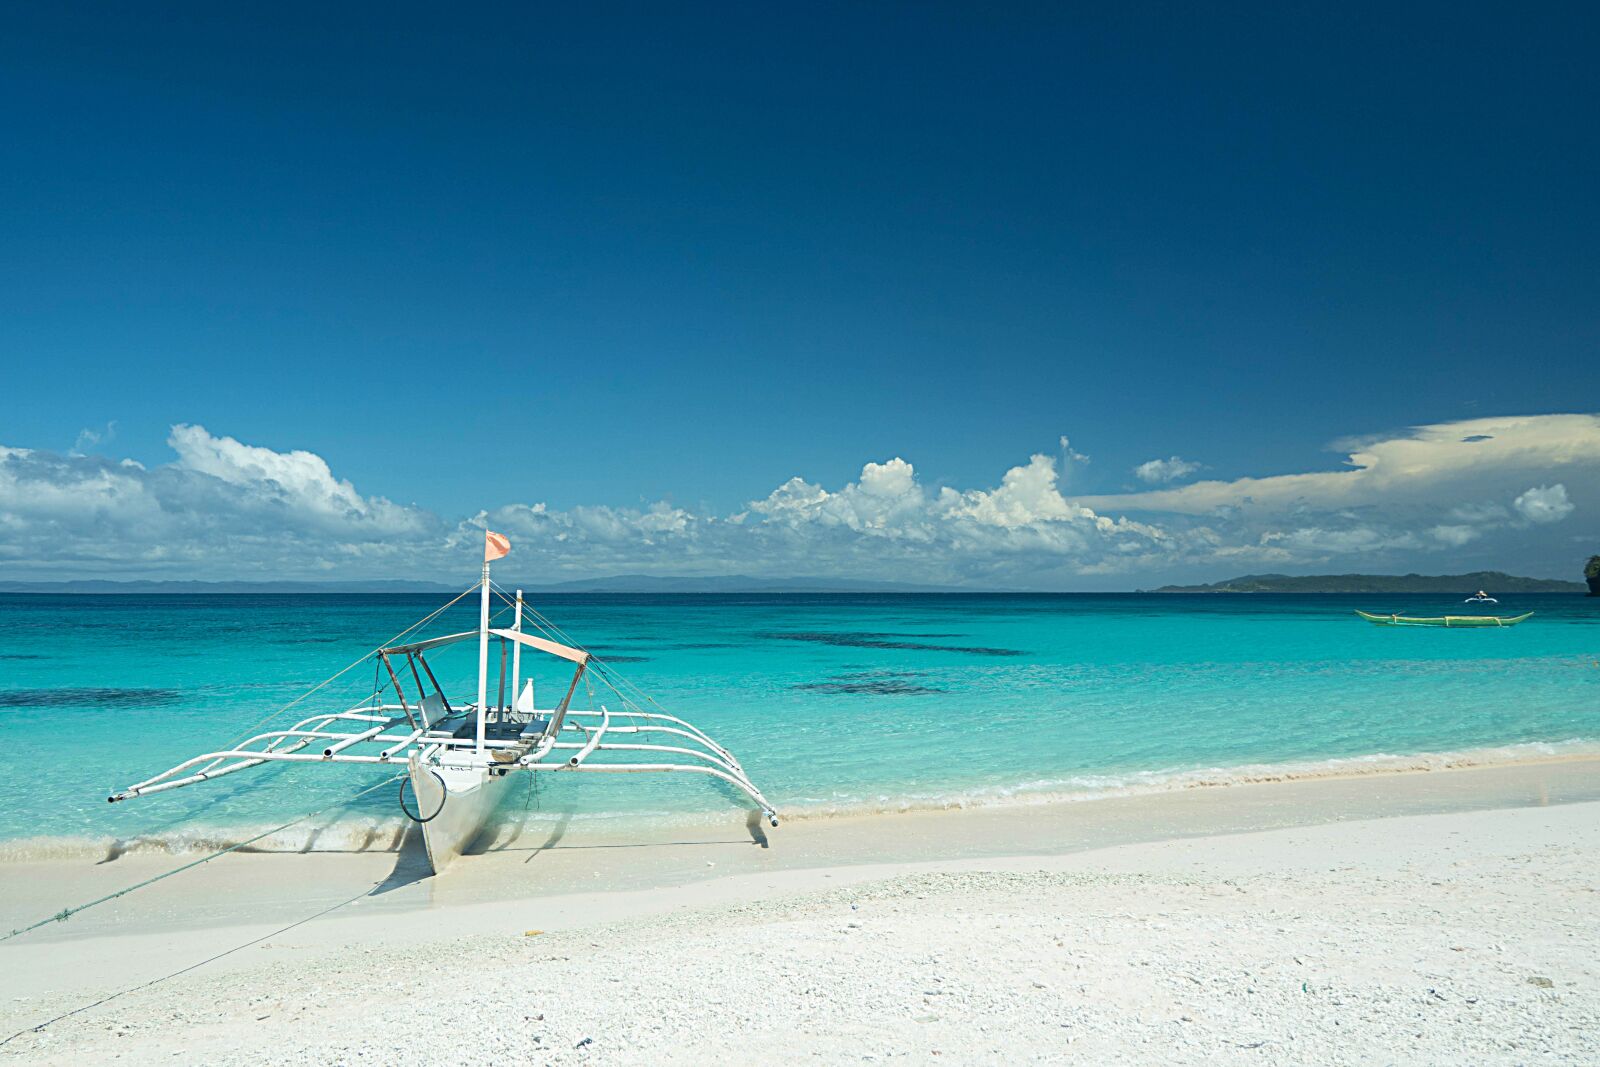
(501, 731)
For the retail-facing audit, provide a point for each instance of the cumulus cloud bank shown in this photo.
(296, 484)
(224, 508)
(221, 507)
(1442, 486)
(1448, 463)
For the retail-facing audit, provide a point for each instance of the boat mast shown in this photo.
(483, 657)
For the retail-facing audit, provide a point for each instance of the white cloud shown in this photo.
(1027, 496)
(224, 508)
(1431, 488)
(1455, 536)
(949, 530)
(1439, 465)
(1546, 503)
(884, 524)
(297, 484)
(1478, 514)
(221, 509)
(1070, 454)
(1319, 542)
(88, 438)
(1161, 471)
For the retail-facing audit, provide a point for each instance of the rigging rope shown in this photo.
(608, 675)
(604, 670)
(352, 665)
(67, 913)
(331, 678)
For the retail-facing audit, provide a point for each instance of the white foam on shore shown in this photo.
(1080, 788)
(367, 834)
(345, 835)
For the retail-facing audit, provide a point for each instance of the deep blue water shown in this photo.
(833, 702)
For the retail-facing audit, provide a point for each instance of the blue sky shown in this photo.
(637, 260)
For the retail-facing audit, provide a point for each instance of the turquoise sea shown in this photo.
(835, 703)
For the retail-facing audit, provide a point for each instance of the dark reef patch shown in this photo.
(60, 698)
(881, 640)
(882, 688)
(909, 633)
(873, 683)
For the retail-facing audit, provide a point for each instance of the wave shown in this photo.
(367, 834)
(1089, 787)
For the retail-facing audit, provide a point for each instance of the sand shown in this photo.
(1426, 919)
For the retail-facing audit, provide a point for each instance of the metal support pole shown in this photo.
(483, 658)
(500, 702)
(398, 692)
(436, 687)
(561, 712)
(516, 654)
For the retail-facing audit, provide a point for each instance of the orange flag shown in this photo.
(495, 545)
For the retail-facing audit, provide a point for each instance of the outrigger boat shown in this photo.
(1444, 620)
(458, 756)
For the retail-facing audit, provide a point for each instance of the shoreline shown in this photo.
(349, 832)
(546, 854)
(549, 854)
(1153, 910)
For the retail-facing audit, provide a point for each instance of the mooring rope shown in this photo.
(40, 1027)
(67, 913)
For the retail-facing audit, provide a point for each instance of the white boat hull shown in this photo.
(455, 802)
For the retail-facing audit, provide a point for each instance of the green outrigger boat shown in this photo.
(1444, 620)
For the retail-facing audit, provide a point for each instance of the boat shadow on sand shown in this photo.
(506, 837)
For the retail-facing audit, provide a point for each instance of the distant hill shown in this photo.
(1492, 581)
(621, 583)
(1489, 581)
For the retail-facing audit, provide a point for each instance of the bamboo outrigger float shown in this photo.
(458, 756)
(1444, 620)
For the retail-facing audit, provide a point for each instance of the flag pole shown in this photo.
(483, 650)
(494, 546)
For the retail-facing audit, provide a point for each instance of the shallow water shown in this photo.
(835, 704)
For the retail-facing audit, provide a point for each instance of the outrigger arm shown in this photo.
(602, 742)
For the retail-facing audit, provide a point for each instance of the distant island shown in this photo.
(1489, 581)
(734, 584)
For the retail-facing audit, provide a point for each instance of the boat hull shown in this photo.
(454, 802)
(1451, 621)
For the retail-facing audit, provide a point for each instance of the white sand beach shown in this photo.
(1447, 917)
